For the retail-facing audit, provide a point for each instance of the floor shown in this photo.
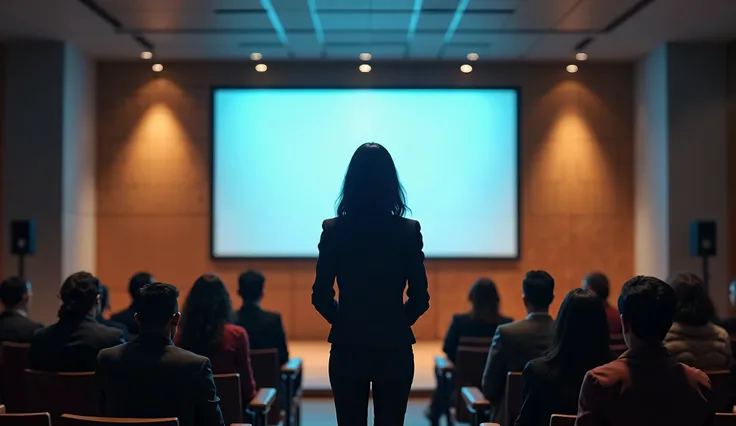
(321, 412)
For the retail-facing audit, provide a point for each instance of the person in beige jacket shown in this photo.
(693, 339)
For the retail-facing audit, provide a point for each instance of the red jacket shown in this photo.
(614, 319)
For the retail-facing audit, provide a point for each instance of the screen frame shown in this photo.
(215, 88)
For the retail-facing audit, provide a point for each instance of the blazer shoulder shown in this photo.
(235, 331)
(611, 374)
(185, 357)
(459, 319)
(696, 377)
(111, 353)
(106, 332)
(329, 223)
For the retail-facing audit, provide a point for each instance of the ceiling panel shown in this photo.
(378, 52)
(540, 14)
(426, 45)
(364, 4)
(345, 21)
(595, 14)
(435, 21)
(500, 45)
(494, 4)
(482, 21)
(162, 20)
(557, 46)
(367, 37)
(460, 51)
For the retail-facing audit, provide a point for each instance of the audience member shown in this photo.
(730, 323)
(265, 329)
(125, 316)
(73, 342)
(581, 342)
(206, 330)
(597, 283)
(104, 307)
(519, 342)
(693, 339)
(15, 295)
(150, 377)
(646, 385)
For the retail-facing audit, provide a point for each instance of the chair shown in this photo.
(476, 403)
(444, 370)
(61, 393)
(74, 420)
(231, 401)
(261, 405)
(267, 373)
(13, 359)
(469, 366)
(725, 419)
(2, 409)
(618, 344)
(720, 382)
(562, 420)
(291, 378)
(514, 395)
(25, 419)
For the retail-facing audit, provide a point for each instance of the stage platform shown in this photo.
(315, 357)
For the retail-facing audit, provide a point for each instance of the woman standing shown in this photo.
(373, 251)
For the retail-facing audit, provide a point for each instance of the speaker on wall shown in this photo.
(22, 237)
(703, 238)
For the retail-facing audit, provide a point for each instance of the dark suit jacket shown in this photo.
(548, 390)
(114, 324)
(645, 388)
(465, 325)
(126, 317)
(513, 346)
(372, 260)
(150, 377)
(71, 345)
(16, 327)
(265, 330)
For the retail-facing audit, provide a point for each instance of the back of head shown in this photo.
(206, 311)
(79, 294)
(539, 289)
(371, 186)
(648, 306)
(597, 282)
(157, 303)
(250, 286)
(484, 298)
(13, 291)
(694, 306)
(137, 282)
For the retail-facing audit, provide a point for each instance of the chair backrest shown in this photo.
(469, 364)
(514, 395)
(618, 344)
(74, 420)
(267, 374)
(25, 419)
(480, 342)
(720, 382)
(725, 419)
(562, 420)
(231, 402)
(60, 393)
(13, 359)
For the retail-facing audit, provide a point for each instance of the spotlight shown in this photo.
(261, 67)
(157, 67)
(466, 68)
(581, 56)
(255, 56)
(572, 68)
(365, 68)
(473, 57)
(365, 56)
(146, 55)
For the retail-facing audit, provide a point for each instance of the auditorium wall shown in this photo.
(576, 183)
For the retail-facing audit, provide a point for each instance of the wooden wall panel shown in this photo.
(576, 179)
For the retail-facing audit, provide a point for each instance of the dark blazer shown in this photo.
(265, 330)
(150, 377)
(126, 317)
(71, 345)
(548, 390)
(465, 325)
(372, 260)
(513, 346)
(645, 388)
(16, 327)
(114, 324)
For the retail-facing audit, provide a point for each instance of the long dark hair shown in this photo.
(581, 338)
(371, 186)
(78, 296)
(694, 306)
(206, 311)
(484, 297)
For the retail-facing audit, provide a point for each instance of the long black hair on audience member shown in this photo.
(79, 294)
(485, 300)
(371, 186)
(581, 339)
(694, 306)
(206, 311)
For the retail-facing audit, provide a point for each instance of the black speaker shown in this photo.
(22, 237)
(703, 238)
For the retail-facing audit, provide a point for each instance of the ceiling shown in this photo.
(388, 29)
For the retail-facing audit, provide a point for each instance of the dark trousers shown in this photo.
(352, 372)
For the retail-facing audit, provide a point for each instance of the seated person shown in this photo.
(519, 342)
(581, 342)
(125, 316)
(730, 323)
(597, 283)
(104, 307)
(693, 339)
(150, 377)
(15, 326)
(73, 342)
(265, 329)
(646, 385)
(206, 330)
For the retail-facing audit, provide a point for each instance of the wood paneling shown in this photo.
(576, 179)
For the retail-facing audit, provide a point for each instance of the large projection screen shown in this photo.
(279, 157)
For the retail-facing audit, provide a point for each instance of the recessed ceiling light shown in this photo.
(261, 67)
(157, 67)
(473, 56)
(255, 56)
(365, 68)
(365, 56)
(146, 55)
(581, 56)
(466, 68)
(572, 68)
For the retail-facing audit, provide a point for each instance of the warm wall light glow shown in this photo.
(365, 68)
(572, 68)
(466, 68)
(261, 67)
(146, 55)
(365, 56)
(157, 67)
(473, 56)
(581, 56)
(255, 56)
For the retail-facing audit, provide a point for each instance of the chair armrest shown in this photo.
(474, 399)
(2, 409)
(292, 367)
(264, 400)
(443, 364)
